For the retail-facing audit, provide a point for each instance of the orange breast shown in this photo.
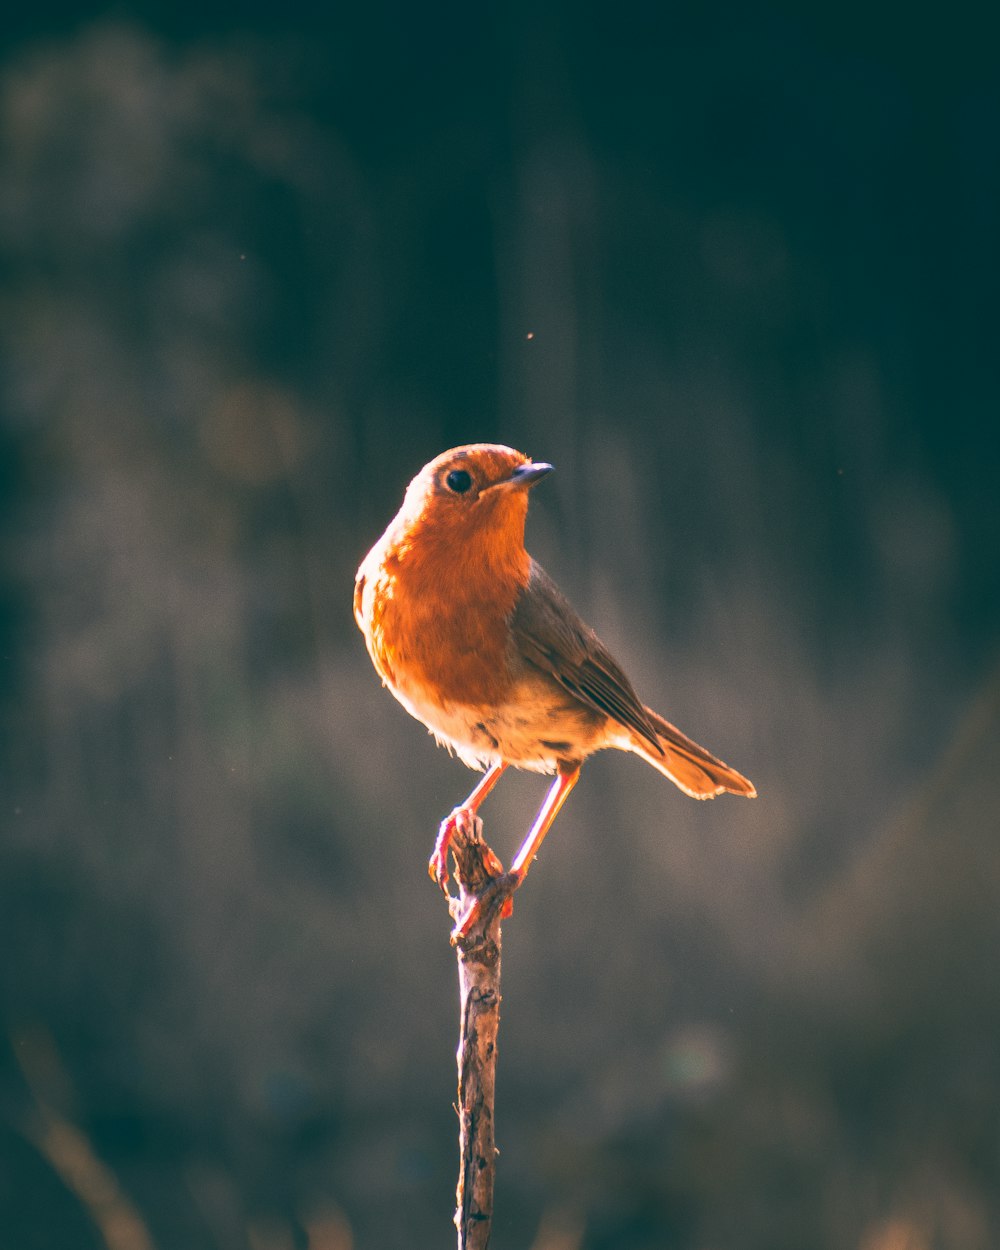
(437, 624)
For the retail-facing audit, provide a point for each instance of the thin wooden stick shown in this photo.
(482, 884)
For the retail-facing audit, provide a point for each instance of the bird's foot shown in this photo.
(502, 887)
(437, 865)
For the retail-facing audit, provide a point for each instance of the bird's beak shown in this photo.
(527, 475)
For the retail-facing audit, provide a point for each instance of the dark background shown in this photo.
(735, 274)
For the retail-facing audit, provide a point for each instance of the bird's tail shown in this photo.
(688, 765)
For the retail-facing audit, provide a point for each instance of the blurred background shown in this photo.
(733, 271)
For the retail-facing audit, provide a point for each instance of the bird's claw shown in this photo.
(437, 870)
(503, 885)
(437, 865)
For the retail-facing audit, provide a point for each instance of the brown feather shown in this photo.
(547, 632)
(690, 766)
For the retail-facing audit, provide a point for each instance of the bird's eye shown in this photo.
(458, 481)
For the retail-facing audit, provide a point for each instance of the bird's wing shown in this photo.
(549, 634)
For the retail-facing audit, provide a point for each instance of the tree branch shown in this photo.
(482, 885)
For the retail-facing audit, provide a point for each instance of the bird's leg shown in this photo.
(558, 793)
(556, 797)
(438, 863)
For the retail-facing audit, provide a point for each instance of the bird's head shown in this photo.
(474, 493)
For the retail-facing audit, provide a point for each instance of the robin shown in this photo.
(475, 640)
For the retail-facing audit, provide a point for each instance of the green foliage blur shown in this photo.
(734, 274)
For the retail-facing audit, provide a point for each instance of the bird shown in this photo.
(477, 642)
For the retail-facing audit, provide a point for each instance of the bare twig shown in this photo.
(483, 886)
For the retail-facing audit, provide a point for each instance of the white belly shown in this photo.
(541, 725)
